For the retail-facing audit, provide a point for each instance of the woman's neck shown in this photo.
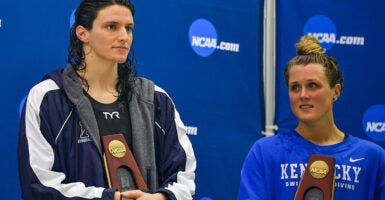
(101, 82)
(321, 135)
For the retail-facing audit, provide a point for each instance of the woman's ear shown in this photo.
(337, 91)
(82, 34)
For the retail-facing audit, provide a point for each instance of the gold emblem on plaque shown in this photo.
(117, 148)
(319, 169)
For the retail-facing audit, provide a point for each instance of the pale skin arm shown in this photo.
(139, 195)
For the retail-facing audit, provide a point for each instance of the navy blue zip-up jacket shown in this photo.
(59, 149)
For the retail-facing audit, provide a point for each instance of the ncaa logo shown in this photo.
(203, 37)
(373, 123)
(323, 29)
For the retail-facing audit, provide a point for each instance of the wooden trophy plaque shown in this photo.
(317, 182)
(122, 170)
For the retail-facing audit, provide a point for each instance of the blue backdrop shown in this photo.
(33, 40)
(216, 90)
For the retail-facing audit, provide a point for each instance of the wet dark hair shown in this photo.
(309, 51)
(85, 15)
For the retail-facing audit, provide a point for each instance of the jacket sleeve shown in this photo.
(176, 161)
(40, 176)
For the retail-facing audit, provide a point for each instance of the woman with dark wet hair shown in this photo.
(66, 115)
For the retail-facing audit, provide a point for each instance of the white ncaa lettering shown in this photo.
(204, 42)
(325, 37)
(375, 127)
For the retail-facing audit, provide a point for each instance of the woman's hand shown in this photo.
(139, 195)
